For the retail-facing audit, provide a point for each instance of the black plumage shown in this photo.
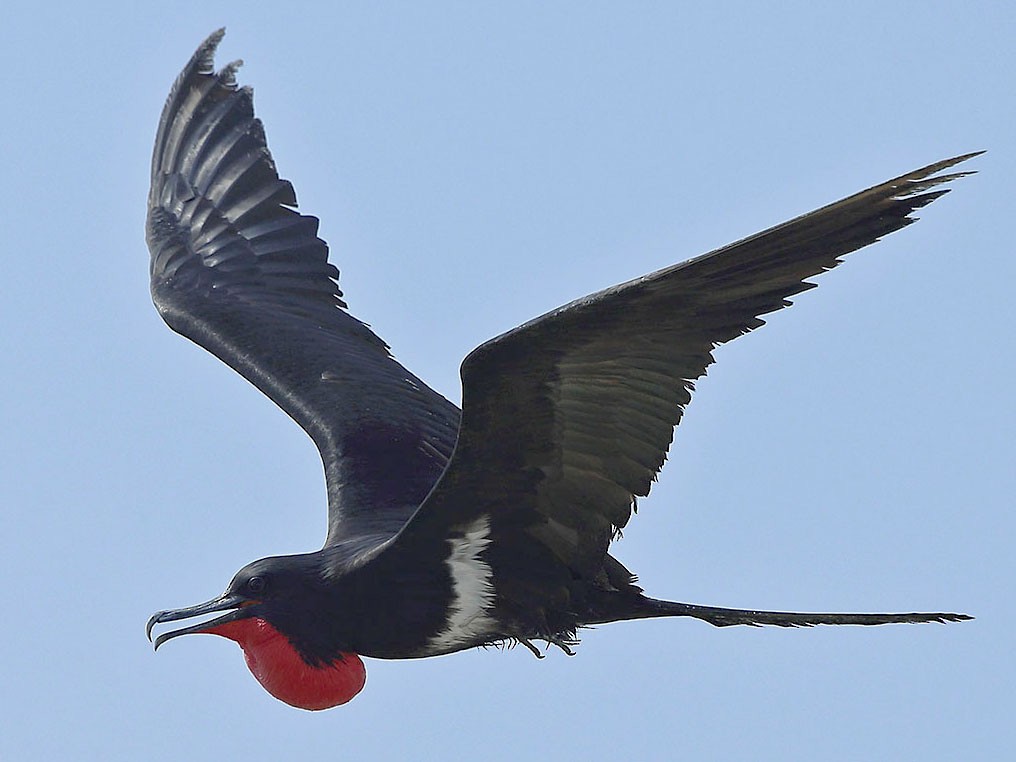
(566, 420)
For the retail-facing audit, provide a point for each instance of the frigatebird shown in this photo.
(451, 530)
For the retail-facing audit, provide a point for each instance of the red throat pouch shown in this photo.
(282, 672)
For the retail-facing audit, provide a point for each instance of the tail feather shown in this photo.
(722, 617)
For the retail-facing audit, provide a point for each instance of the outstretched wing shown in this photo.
(235, 269)
(568, 418)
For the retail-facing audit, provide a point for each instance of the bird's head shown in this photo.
(268, 606)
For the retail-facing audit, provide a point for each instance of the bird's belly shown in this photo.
(469, 619)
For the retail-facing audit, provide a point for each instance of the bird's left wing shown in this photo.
(568, 418)
(237, 270)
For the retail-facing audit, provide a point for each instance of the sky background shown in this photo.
(474, 166)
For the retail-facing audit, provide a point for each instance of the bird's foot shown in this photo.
(564, 645)
(535, 651)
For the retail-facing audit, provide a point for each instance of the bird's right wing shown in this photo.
(237, 270)
(568, 418)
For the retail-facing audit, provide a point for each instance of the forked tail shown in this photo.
(721, 617)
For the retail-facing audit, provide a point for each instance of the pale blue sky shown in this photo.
(474, 167)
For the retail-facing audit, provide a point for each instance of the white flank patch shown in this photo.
(468, 622)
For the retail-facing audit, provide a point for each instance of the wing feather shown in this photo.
(568, 418)
(238, 270)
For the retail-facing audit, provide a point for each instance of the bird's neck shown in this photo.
(285, 674)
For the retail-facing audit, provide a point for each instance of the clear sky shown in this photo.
(474, 166)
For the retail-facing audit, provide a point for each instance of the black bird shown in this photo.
(450, 530)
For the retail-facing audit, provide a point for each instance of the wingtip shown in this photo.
(212, 41)
(961, 158)
(227, 75)
(202, 63)
(938, 166)
(965, 156)
(204, 57)
(914, 184)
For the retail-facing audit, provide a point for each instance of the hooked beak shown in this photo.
(238, 608)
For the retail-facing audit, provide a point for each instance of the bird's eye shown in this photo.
(256, 584)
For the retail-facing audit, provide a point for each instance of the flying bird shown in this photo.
(452, 529)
